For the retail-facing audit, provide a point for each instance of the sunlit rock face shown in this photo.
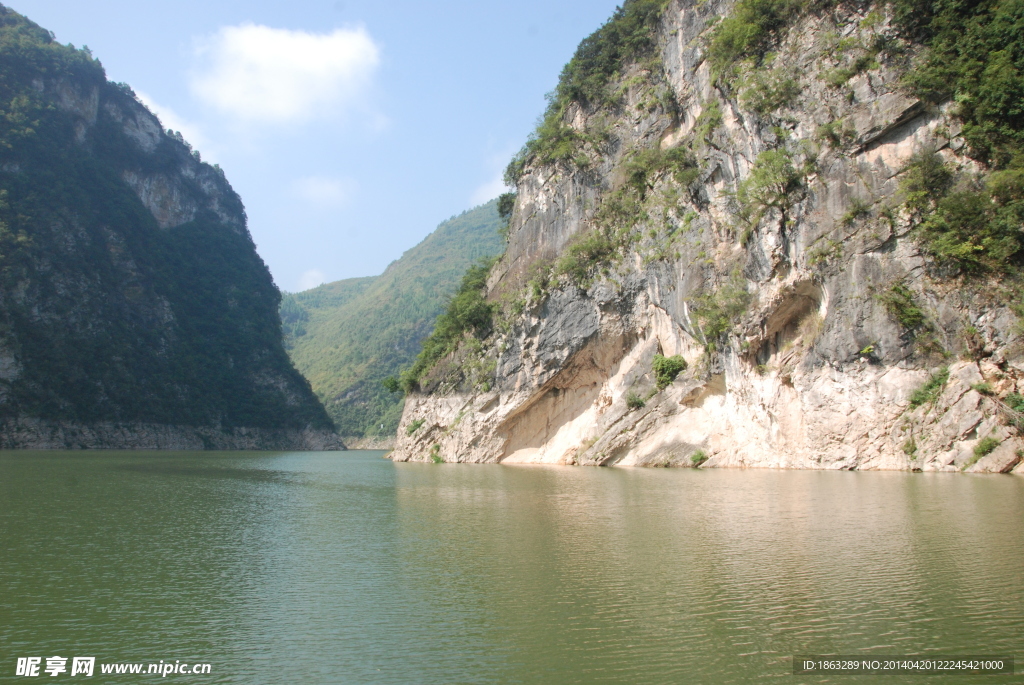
(796, 355)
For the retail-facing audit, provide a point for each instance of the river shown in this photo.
(347, 568)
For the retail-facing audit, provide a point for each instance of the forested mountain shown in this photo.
(348, 336)
(134, 310)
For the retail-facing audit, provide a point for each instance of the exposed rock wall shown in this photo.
(814, 371)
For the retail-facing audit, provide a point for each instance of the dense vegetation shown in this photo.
(467, 313)
(350, 336)
(975, 57)
(770, 185)
(625, 38)
(104, 316)
(970, 224)
(666, 369)
(750, 30)
(899, 301)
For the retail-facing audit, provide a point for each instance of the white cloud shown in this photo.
(172, 120)
(260, 74)
(311, 279)
(324, 191)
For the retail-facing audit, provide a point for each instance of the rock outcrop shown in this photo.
(780, 261)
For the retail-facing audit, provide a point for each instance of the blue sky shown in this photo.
(350, 128)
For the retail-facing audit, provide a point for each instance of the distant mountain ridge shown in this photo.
(134, 309)
(348, 336)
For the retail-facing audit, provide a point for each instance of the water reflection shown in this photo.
(623, 573)
(298, 567)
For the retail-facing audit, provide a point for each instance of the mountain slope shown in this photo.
(348, 336)
(134, 310)
(758, 234)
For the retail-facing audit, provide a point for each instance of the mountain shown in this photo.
(779, 234)
(134, 310)
(348, 336)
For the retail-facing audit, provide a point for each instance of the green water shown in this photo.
(346, 568)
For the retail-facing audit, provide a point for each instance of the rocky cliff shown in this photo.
(134, 310)
(741, 249)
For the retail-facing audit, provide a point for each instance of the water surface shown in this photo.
(346, 568)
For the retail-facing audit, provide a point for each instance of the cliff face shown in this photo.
(134, 310)
(762, 228)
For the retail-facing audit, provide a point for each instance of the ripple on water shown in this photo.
(321, 567)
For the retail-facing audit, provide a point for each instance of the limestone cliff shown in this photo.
(134, 310)
(757, 219)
